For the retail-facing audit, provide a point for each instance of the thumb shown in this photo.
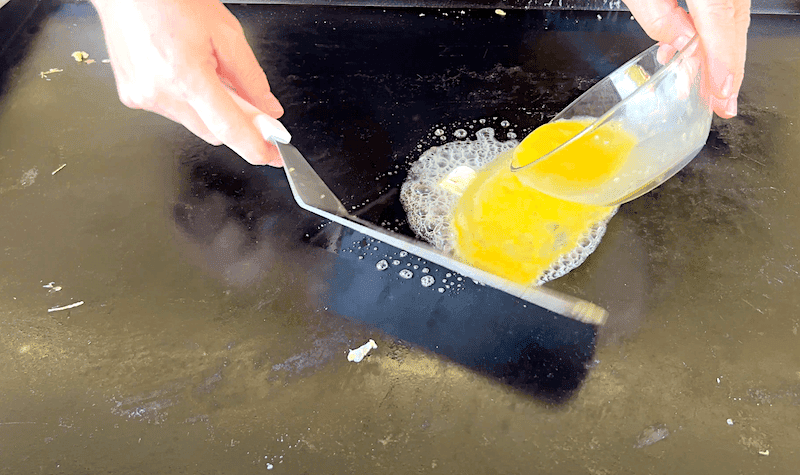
(663, 20)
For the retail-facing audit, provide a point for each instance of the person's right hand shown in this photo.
(179, 58)
(722, 26)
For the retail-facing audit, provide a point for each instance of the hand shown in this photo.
(722, 26)
(178, 58)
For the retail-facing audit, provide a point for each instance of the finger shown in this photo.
(131, 95)
(239, 66)
(269, 127)
(722, 25)
(662, 20)
(226, 121)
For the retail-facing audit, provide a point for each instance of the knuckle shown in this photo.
(658, 25)
(231, 28)
(721, 11)
(138, 97)
(131, 99)
(128, 101)
(221, 129)
(189, 83)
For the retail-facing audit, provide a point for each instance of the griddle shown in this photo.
(364, 90)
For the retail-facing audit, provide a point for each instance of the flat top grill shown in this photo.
(217, 313)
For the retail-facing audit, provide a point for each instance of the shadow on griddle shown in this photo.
(235, 214)
(538, 352)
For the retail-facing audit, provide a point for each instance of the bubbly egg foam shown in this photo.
(463, 199)
(433, 187)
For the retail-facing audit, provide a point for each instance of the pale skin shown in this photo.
(182, 58)
(179, 59)
(722, 26)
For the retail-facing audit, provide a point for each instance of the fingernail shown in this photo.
(271, 128)
(274, 105)
(665, 53)
(721, 79)
(681, 42)
(727, 88)
(732, 108)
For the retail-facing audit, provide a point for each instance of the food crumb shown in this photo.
(44, 74)
(80, 56)
(359, 353)
(651, 435)
(500, 12)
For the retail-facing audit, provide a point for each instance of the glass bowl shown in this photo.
(659, 98)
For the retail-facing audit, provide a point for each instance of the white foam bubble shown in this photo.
(572, 259)
(428, 205)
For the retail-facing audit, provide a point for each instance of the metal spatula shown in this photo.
(313, 195)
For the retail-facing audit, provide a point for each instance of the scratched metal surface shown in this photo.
(777, 7)
(207, 342)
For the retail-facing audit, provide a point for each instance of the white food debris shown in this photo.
(29, 177)
(651, 435)
(52, 287)
(44, 74)
(763, 452)
(359, 353)
(65, 307)
(500, 12)
(729, 421)
(58, 169)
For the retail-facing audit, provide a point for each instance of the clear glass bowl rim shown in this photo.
(654, 79)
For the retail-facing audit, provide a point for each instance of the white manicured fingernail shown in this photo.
(732, 108)
(727, 87)
(272, 129)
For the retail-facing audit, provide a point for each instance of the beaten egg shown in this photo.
(495, 219)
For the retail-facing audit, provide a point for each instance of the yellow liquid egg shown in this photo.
(592, 159)
(505, 227)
